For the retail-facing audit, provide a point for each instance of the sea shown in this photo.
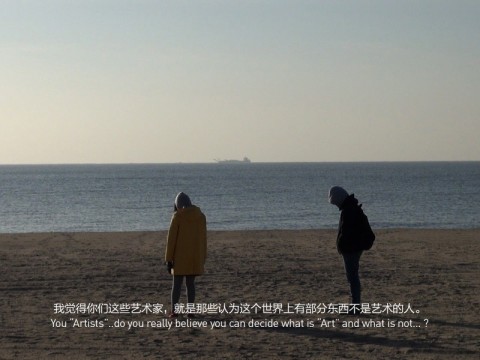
(254, 196)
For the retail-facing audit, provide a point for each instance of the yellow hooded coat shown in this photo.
(187, 241)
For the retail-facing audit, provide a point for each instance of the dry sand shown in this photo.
(435, 271)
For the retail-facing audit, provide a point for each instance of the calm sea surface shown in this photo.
(236, 196)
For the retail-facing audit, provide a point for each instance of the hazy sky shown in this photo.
(120, 81)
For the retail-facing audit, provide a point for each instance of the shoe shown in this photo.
(172, 315)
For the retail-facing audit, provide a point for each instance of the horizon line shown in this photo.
(242, 164)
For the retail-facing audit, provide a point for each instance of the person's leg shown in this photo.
(352, 264)
(190, 280)
(176, 290)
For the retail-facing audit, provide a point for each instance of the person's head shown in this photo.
(337, 195)
(182, 201)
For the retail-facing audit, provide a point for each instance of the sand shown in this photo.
(435, 272)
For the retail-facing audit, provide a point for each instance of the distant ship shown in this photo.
(245, 160)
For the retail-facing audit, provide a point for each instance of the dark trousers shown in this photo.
(352, 264)
(177, 289)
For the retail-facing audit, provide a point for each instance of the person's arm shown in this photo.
(205, 237)
(171, 239)
(347, 230)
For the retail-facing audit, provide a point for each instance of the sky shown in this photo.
(167, 81)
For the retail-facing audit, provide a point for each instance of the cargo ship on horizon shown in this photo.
(245, 160)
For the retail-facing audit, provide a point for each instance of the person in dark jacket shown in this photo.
(348, 244)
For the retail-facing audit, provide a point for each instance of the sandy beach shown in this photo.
(266, 294)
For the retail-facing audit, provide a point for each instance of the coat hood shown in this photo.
(337, 195)
(182, 201)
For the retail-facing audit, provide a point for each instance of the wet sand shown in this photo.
(263, 278)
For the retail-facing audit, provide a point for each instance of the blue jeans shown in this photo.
(352, 264)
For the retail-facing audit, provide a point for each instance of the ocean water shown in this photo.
(134, 197)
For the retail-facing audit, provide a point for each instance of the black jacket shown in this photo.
(350, 226)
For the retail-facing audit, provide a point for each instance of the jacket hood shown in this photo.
(337, 195)
(182, 201)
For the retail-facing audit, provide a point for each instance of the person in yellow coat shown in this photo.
(186, 249)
